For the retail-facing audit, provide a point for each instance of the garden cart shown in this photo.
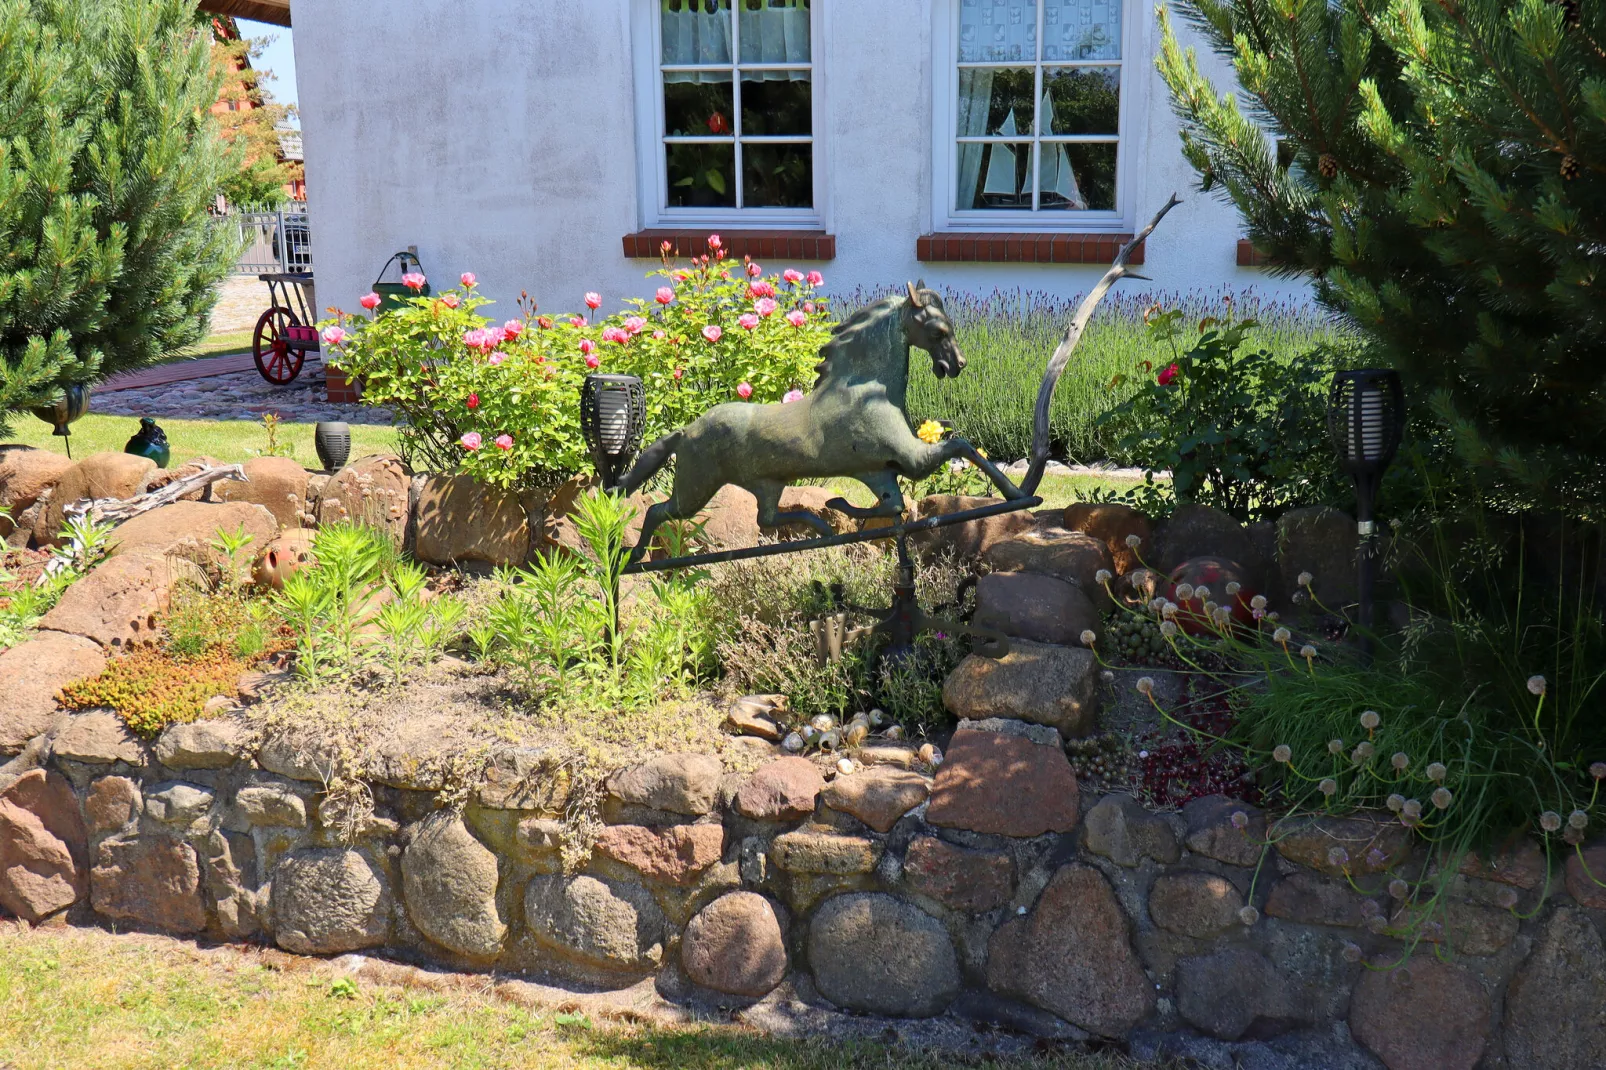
(285, 332)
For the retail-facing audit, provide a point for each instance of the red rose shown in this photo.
(1167, 375)
(473, 401)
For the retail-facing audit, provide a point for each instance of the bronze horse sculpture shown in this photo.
(853, 424)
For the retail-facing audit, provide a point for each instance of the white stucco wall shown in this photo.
(498, 136)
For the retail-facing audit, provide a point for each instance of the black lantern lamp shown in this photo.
(613, 416)
(64, 410)
(1365, 417)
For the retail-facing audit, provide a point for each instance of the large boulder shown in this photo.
(1037, 683)
(117, 604)
(42, 846)
(677, 783)
(190, 530)
(278, 484)
(374, 491)
(736, 945)
(1193, 903)
(1423, 1015)
(1070, 955)
(1556, 1005)
(1230, 991)
(100, 475)
(33, 672)
(1003, 784)
(461, 519)
(959, 878)
(597, 923)
(1356, 846)
(1113, 525)
(203, 745)
(449, 882)
(870, 952)
(1201, 531)
(25, 474)
(329, 900)
(1039, 608)
(1050, 549)
(151, 881)
(966, 540)
(673, 854)
(1322, 541)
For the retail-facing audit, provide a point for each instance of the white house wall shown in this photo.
(498, 136)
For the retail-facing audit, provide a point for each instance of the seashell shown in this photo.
(877, 718)
(895, 732)
(823, 722)
(831, 740)
(793, 743)
(860, 718)
(811, 736)
(855, 734)
(845, 766)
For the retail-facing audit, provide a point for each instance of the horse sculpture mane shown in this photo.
(857, 336)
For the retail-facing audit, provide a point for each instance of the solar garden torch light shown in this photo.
(1365, 417)
(613, 415)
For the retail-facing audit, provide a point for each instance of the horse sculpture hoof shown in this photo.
(857, 512)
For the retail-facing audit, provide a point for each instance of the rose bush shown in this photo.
(500, 400)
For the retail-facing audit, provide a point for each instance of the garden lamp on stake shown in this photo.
(1365, 416)
(613, 415)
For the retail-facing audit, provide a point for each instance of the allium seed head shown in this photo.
(1536, 685)
(1442, 798)
(1364, 750)
(1506, 897)
(1598, 770)
(1088, 636)
(1258, 602)
(1412, 809)
(1437, 771)
(1233, 588)
(1282, 753)
(1168, 610)
(1307, 652)
(1281, 635)
(1184, 591)
(1108, 676)
(1134, 541)
(1305, 579)
(1377, 923)
(1248, 915)
(1396, 802)
(1240, 820)
(1399, 889)
(1550, 821)
(1335, 746)
(1337, 857)
(1297, 597)
(1400, 761)
(1370, 720)
(1221, 615)
(1578, 819)
(1328, 786)
(1145, 685)
(1201, 592)
(1168, 629)
(1103, 576)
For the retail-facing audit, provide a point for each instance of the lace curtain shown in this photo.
(699, 31)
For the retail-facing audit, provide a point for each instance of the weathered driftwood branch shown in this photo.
(1073, 334)
(118, 510)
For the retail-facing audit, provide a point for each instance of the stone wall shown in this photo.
(987, 888)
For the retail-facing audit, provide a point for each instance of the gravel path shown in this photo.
(238, 396)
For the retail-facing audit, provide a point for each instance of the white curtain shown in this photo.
(975, 98)
(699, 31)
(997, 31)
(776, 34)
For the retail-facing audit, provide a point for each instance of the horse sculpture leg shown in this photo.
(889, 498)
(918, 460)
(769, 509)
(958, 447)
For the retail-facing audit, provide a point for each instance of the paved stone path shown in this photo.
(241, 300)
(226, 388)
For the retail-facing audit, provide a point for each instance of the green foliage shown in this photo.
(275, 446)
(1241, 429)
(502, 402)
(109, 163)
(152, 688)
(1434, 169)
(23, 603)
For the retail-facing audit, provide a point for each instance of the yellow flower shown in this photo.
(930, 432)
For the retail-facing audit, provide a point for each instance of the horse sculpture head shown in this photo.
(926, 326)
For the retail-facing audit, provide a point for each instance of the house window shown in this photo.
(735, 99)
(1031, 113)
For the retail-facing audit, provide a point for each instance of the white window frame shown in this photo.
(1135, 77)
(651, 157)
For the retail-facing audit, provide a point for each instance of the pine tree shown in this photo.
(109, 162)
(1436, 168)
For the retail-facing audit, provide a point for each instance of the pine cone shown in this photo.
(1327, 165)
(1569, 167)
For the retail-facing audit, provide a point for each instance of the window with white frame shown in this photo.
(734, 94)
(1030, 112)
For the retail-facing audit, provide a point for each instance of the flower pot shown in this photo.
(333, 442)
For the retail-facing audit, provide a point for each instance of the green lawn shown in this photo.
(84, 999)
(215, 345)
(230, 441)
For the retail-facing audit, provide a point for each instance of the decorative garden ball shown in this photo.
(1213, 574)
(793, 743)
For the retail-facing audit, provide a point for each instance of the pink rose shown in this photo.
(681, 275)
(792, 275)
(744, 391)
(450, 301)
(712, 332)
(765, 306)
(617, 335)
(635, 324)
(497, 358)
(808, 306)
(334, 335)
(577, 321)
(592, 362)
(471, 441)
(476, 339)
(504, 442)
(713, 241)
(414, 281)
(467, 279)
(791, 395)
(513, 328)
(593, 300)
(816, 279)
(665, 295)
(678, 373)
(796, 318)
(754, 271)
(761, 288)
(587, 345)
(747, 320)
(370, 301)
(658, 336)
(496, 334)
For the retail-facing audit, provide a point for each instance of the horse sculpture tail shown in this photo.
(651, 460)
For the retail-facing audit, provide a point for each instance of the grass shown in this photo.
(75, 999)
(229, 441)
(215, 345)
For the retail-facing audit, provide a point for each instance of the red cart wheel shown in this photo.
(278, 358)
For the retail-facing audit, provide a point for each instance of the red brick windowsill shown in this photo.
(1023, 248)
(792, 244)
(1248, 255)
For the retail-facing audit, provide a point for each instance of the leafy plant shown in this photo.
(274, 447)
(152, 688)
(82, 545)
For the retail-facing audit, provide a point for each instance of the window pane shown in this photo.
(702, 176)
(1080, 100)
(696, 31)
(995, 176)
(995, 101)
(775, 31)
(777, 176)
(1078, 176)
(993, 31)
(698, 104)
(776, 102)
(1081, 29)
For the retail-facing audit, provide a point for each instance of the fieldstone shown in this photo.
(753, 715)
(1071, 956)
(278, 484)
(329, 900)
(288, 553)
(1200, 531)
(189, 529)
(118, 603)
(1232, 991)
(27, 473)
(1034, 682)
(522, 778)
(374, 490)
(1520, 864)
(1211, 832)
(596, 922)
(271, 805)
(817, 850)
(870, 952)
(1424, 1015)
(42, 846)
(230, 859)
(878, 796)
(33, 672)
(675, 854)
(1193, 903)
(1005, 785)
(203, 745)
(679, 783)
(461, 519)
(1556, 1004)
(298, 758)
(1586, 877)
(111, 802)
(1112, 525)
(897, 755)
(449, 882)
(98, 737)
(151, 881)
(813, 500)
(1320, 540)
(1050, 549)
(541, 835)
(100, 475)
(970, 881)
(177, 804)
(1042, 609)
(966, 541)
(736, 945)
(1120, 829)
(782, 790)
(1338, 845)
(1466, 928)
(1307, 899)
